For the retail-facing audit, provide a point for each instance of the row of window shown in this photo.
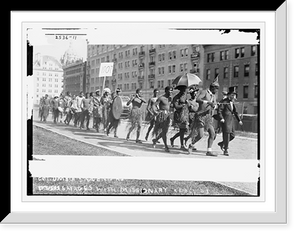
(161, 57)
(236, 70)
(73, 71)
(224, 55)
(246, 91)
(45, 85)
(44, 90)
(49, 79)
(45, 74)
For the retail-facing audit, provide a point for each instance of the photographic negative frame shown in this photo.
(195, 203)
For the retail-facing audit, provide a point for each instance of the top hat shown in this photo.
(232, 90)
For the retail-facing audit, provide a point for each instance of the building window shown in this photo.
(170, 55)
(226, 70)
(253, 50)
(208, 74)
(170, 69)
(210, 57)
(255, 91)
(222, 55)
(185, 67)
(216, 72)
(242, 52)
(174, 54)
(256, 69)
(181, 67)
(174, 67)
(245, 92)
(246, 70)
(236, 71)
(186, 52)
(237, 52)
(226, 55)
(151, 84)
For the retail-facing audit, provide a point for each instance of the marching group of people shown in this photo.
(191, 111)
(80, 108)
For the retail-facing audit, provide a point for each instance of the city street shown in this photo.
(98, 144)
(240, 147)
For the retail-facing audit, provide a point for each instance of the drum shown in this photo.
(117, 107)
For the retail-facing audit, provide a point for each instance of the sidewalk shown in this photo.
(240, 147)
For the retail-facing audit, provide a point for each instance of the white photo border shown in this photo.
(182, 209)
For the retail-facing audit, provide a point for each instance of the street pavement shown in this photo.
(240, 147)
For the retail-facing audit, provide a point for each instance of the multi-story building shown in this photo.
(75, 77)
(143, 66)
(48, 77)
(235, 65)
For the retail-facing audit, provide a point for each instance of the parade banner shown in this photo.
(106, 69)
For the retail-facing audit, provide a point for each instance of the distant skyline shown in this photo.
(57, 47)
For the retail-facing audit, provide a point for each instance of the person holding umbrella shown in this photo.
(181, 115)
(182, 104)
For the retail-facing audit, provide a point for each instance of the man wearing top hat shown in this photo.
(203, 120)
(227, 112)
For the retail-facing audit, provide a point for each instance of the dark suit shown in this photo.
(227, 112)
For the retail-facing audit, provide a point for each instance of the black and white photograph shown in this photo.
(148, 118)
(142, 119)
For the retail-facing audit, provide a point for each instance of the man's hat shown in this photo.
(232, 90)
(170, 88)
(98, 90)
(215, 82)
(118, 90)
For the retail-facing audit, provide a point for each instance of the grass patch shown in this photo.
(49, 143)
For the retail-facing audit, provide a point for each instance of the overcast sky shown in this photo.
(57, 47)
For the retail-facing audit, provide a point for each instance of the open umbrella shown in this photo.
(188, 79)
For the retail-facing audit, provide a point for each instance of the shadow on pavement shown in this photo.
(110, 141)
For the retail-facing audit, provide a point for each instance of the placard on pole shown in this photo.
(105, 70)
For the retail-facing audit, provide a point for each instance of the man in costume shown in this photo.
(150, 117)
(135, 117)
(181, 115)
(112, 121)
(55, 111)
(41, 108)
(161, 109)
(193, 107)
(105, 103)
(227, 112)
(46, 103)
(86, 105)
(78, 110)
(203, 120)
(97, 110)
(68, 102)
